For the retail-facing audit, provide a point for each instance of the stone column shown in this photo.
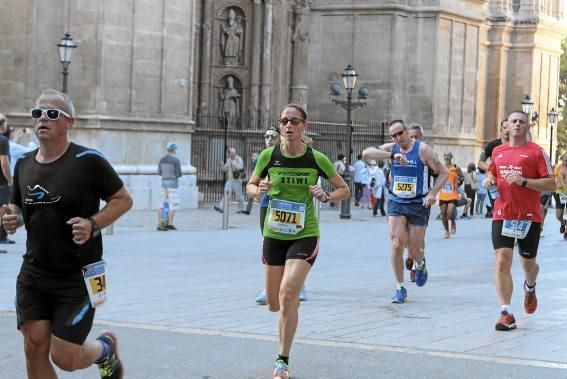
(266, 81)
(300, 39)
(255, 63)
(206, 52)
(528, 9)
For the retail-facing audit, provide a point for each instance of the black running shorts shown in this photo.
(275, 252)
(62, 301)
(454, 202)
(527, 247)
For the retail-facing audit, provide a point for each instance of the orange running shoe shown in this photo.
(506, 322)
(530, 300)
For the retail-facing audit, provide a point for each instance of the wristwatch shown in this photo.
(95, 229)
(327, 197)
(524, 182)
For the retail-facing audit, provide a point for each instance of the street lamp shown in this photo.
(552, 118)
(527, 104)
(66, 49)
(349, 80)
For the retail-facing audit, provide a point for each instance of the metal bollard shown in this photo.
(110, 229)
(225, 209)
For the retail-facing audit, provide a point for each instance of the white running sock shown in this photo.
(507, 308)
(400, 286)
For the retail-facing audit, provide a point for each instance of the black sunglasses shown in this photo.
(294, 121)
(52, 114)
(398, 133)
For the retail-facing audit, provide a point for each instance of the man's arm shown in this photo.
(12, 218)
(383, 152)
(481, 164)
(116, 206)
(5, 163)
(460, 174)
(430, 159)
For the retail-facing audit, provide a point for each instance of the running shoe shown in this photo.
(218, 209)
(261, 299)
(447, 235)
(303, 294)
(454, 228)
(505, 322)
(562, 227)
(530, 300)
(412, 275)
(281, 371)
(110, 367)
(400, 296)
(409, 263)
(421, 275)
(161, 228)
(170, 227)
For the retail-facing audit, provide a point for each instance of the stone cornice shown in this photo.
(378, 8)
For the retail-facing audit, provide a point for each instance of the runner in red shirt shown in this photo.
(520, 170)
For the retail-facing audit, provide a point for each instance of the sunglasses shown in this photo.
(398, 133)
(294, 121)
(270, 136)
(52, 114)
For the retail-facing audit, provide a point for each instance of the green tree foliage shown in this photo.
(562, 124)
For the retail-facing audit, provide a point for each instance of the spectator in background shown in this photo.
(340, 166)
(471, 184)
(20, 143)
(480, 194)
(232, 167)
(360, 175)
(377, 184)
(169, 168)
(5, 175)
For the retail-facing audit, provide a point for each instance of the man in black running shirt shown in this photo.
(56, 195)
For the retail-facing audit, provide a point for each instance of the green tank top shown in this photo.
(292, 178)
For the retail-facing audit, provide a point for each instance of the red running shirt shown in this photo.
(517, 202)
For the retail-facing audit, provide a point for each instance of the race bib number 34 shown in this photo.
(563, 198)
(516, 228)
(405, 186)
(95, 280)
(286, 217)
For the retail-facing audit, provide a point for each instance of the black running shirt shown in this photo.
(50, 194)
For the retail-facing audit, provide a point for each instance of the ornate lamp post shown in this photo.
(349, 79)
(66, 49)
(552, 118)
(527, 104)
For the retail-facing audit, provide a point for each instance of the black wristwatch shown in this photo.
(524, 182)
(327, 197)
(95, 229)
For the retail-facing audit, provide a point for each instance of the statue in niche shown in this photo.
(231, 38)
(230, 102)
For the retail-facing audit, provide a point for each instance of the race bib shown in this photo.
(563, 198)
(286, 217)
(405, 186)
(447, 188)
(516, 228)
(95, 280)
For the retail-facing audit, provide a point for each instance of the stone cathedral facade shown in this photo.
(144, 69)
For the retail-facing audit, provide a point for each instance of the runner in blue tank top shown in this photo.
(409, 199)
